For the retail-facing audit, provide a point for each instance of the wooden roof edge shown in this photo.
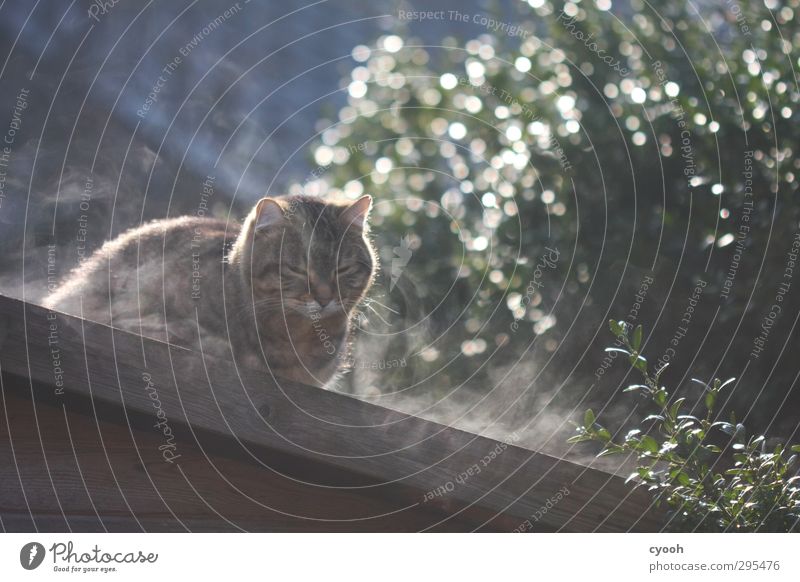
(447, 467)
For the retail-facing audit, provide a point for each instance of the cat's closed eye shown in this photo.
(346, 270)
(352, 269)
(293, 271)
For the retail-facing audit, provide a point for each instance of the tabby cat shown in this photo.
(277, 293)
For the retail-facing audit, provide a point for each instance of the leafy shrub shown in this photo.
(710, 473)
(461, 142)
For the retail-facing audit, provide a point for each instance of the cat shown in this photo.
(277, 293)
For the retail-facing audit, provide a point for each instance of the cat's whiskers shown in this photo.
(313, 308)
(372, 300)
(259, 307)
(285, 304)
(375, 311)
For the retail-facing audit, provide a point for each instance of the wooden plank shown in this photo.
(96, 472)
(363, 447)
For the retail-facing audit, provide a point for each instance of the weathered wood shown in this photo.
(344, 450)
(84, 474)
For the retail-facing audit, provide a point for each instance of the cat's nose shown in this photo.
(323, 294)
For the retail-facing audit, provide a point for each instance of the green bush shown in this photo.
(711, 474)
(481, 152)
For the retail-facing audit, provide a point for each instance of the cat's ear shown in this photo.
(357, 213)
(269, 213)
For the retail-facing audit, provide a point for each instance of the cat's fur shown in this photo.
(277, 293)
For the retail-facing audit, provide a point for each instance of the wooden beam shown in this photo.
(175, 404)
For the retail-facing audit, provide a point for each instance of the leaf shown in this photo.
(620, 350)
(676, 406)
(725, 383)
(634, 387)
(588, 419)
(617, 327)
(660, 397)
(668, 446)
(711, 399)
(604, 434)
(649, 444)
(725, 427)
(654, 417)
(639, 362)
(796, 448)
(637, 338)
(701, 383)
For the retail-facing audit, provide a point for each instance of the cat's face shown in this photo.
(307, 256)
